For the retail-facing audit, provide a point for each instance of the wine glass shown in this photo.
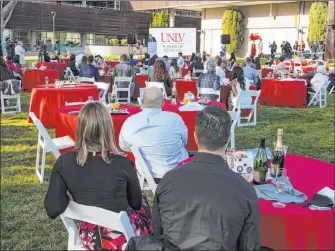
(47, 81)
(90, 99)
(230, 157)
(280, 185)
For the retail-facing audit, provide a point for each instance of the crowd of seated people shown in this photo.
(98, 174)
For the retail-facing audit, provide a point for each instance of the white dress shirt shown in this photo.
(161, 136)
(221, 73)
(19, 50)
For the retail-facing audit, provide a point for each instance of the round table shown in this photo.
(266, 71)
(295, 227)
(285, 93)
(65, 123)
(58, 66)
(44, 102)
(32, 78)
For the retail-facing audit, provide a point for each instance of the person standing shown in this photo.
(180, 61)
(314, 49)
(260, 48)
(167, 63)
(19, 50)
(222, 213)
(273, 48)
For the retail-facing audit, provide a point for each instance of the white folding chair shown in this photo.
(69, 74)
(241, 104)
(209, 91)
(97, 216)
(123, 89)
(86, 80)
(17, 107)
(332, 89)
(47, 144)
(159, 85)
(74, 103)
(103, 89)
(143, 171)
(140, 98)
(235, 116)
(319, 97)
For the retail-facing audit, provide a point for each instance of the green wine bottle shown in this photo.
(260, 164)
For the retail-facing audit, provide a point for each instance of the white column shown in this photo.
(32, 40)
(83, 3)
(203, 31)
(172, 17)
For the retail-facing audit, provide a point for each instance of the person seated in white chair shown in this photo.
(209, 81)
(249, 72)
(89, 70)
(161, 136)
(320, 79)
(238, 84)
(123, 69)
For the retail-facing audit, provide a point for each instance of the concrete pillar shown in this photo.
(330, 40)
(82, 39)
(32, 40)
(83, 3)
(203, 31)
(172, 17)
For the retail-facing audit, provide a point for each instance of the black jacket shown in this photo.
(203, 205)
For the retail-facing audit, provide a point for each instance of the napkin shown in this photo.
(289, 195)
(322, 200)
(192, 106)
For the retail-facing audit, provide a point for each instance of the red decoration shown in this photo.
(253, 37)
(253, 49)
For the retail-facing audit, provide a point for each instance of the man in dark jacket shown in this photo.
(197, 65)
(203, 205)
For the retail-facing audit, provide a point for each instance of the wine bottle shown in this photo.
(278, 155)
(174, 94)
(260, 164)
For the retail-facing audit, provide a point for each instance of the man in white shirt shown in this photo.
(219, 71)
(19, 50)
(161, 136)
(180, 61)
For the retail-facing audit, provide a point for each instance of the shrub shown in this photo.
(113, 41)
(232, 24)
(124, 41)
(317, 27)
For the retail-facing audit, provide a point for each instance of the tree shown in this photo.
(6, 13)
(160, 19)
(232, 24)
(318, 15)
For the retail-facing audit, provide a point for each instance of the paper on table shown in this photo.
(192, 106)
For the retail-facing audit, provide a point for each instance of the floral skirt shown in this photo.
(95, 237)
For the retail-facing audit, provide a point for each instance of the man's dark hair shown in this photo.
(123, 58)
(218, 61)
(281, 59)
(212, 128)
(165, 57)
(180, 54)
(248, 60)
(90, 59)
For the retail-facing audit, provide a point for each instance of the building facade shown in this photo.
(273, 20)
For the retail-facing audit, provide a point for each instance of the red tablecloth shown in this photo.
(290, 93)
(66, 123)
(184, 71)
(112, 63)
(32, 78)
(183, 86)
(60, 67)
(139, 83)
(295, 227)
(307, 69)
(44, 102)
(266, 71)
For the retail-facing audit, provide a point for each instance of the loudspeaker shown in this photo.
(131, 39)
(225, 39)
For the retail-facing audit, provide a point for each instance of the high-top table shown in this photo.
(44, 102)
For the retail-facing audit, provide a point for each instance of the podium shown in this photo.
(152, 48)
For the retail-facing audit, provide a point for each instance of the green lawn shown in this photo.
(24, 224)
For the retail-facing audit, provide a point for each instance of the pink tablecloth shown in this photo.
(295, 227)
(183, 86)
(60, 67)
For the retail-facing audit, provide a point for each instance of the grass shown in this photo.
(24, 224)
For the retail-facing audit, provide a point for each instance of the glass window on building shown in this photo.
(65, 38)
(100, 40)
(113, 5)
(89, 40)
(23, 36)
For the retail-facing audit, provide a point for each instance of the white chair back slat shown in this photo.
(241, 104)
(74, 103)
(69, 74)
(117, 89)
(235, 116)
(104, 87)
(143, 169)
(11, 109)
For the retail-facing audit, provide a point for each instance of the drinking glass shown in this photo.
(280, 185)
(90, 99)
(185, 100)
(230, 157)
(47, 81)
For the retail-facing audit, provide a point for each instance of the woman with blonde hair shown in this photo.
(97, 174)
